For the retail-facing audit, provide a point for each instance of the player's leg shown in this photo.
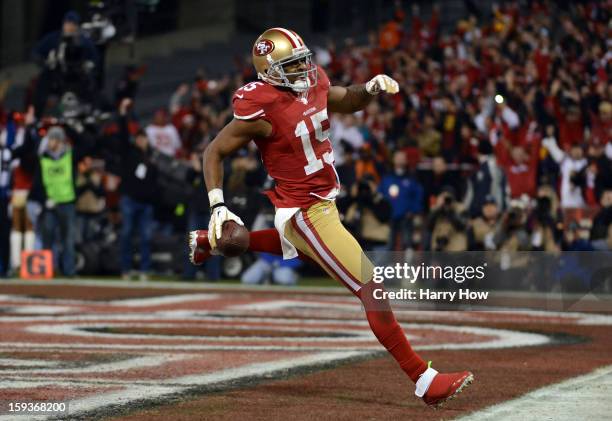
(262, 241)
(319, 234)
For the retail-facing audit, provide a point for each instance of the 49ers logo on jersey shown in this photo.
(263, 47)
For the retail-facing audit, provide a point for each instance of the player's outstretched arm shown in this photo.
(231, 138)
(357, 97)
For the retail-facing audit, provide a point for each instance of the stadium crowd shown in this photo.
(500, 139)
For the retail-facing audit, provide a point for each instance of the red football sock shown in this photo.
(265, 241)
(268, 241)
(389, 333)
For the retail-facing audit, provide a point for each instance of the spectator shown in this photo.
(267, 266)
(429, 139)
(346, 170)
(345, 135)
(573, 178)
(436, 180)
(162, 135)
(520, 164)
(54, 187)
(20, 180)
(489, 179)
(405, 194)
(6, 156)
(601, 157)
(367, 164)
(603, 219)
(138, 193)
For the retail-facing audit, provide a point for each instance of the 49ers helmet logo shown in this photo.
(263, 47)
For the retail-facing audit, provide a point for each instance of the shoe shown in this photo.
(197, 254)
(436, 388)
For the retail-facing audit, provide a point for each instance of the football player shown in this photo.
(286, 114)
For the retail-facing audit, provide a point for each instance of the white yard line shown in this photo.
(581, 398)
(163, 300)
(16, 362)
(123, 365)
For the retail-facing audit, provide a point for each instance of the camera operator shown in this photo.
(511, 233)
(482, 229)
(543, 221)
(367, 213)
(70, 62)
(445, 225)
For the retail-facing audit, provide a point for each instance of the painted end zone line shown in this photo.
(580, 398)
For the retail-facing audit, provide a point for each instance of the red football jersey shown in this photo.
(298, 154)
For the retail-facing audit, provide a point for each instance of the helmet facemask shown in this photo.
(276, 75)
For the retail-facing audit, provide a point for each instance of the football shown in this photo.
(234, 239)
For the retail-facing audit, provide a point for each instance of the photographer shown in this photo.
(70, 62)
(511, 233)
(367, 213)
(445, 225)
(482, 229)
(544, 220)
(138, 193)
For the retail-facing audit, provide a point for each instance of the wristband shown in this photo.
(215, 196)
(217, 205)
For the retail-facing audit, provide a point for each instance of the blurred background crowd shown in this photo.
(498, 140)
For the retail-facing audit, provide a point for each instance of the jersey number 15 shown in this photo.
(301, 130)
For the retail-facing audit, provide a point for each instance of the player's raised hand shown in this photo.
(382, 83)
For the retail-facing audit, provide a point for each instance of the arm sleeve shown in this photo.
(246, 106)
(551, 145)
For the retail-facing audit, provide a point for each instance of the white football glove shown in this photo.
(382, 83)
(218, 216)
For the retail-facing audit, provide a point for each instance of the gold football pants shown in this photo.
(318, 233)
